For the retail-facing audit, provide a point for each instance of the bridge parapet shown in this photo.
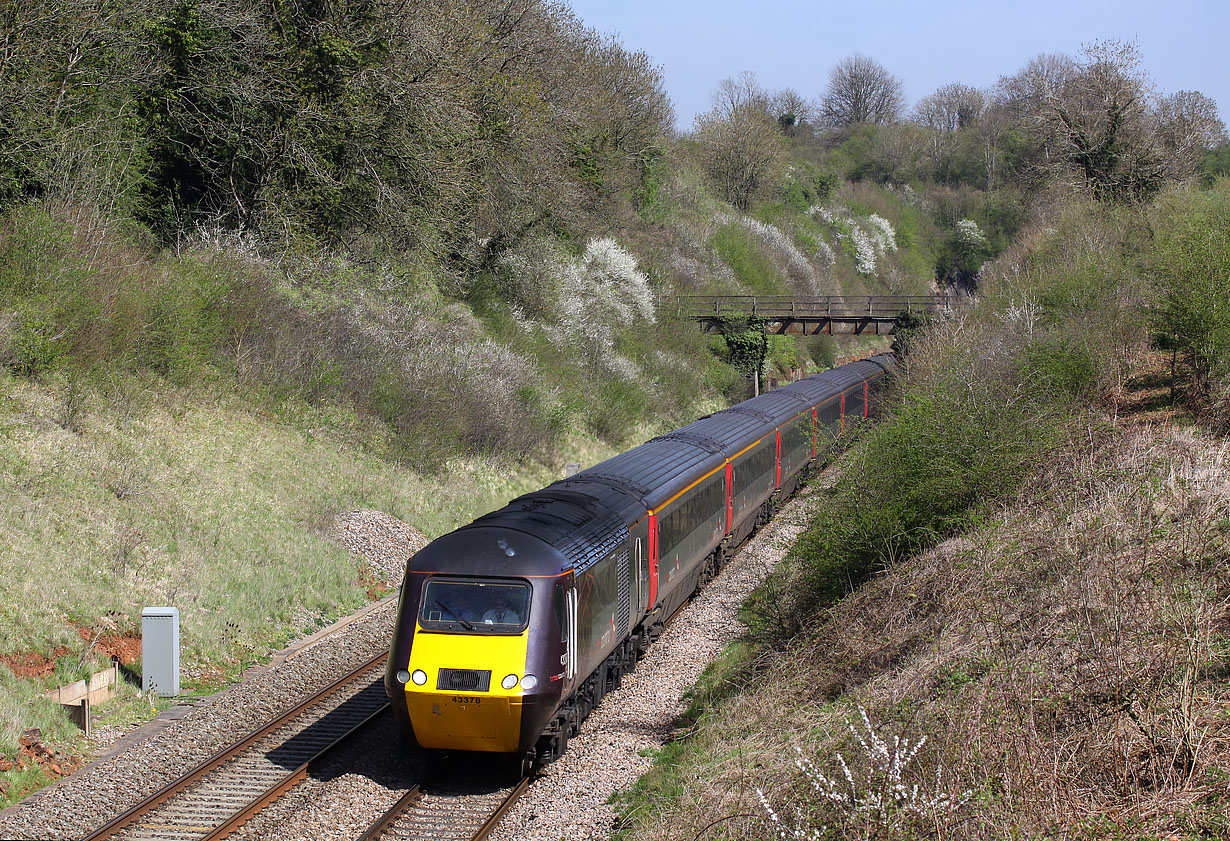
(877, 314)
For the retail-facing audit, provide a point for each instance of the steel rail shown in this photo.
(388, 823)
(505, 805)
(202, 771)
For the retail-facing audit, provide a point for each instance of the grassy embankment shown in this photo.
(1022, 583)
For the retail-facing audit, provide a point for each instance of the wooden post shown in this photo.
(79, 714)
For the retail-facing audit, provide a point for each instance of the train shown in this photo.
(509, 630)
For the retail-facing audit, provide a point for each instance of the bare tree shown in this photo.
(861, 90)
(1096, 124)
(1027, 92)
(952, 107)
(1188, 126)
(791, 109)
(741, 144)
(944, 115)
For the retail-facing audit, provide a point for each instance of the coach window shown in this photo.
(762, 461)
(694, 510)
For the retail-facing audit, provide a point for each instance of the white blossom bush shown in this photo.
(969, 236)
(785, 253)
(911, 197)
(877, 802)
(824, 254)
(864, 250)
(882, 230)
(598, 293)
(866, 240)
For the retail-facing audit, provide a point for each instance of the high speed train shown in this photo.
(512, 628)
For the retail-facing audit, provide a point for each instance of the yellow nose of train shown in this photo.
(463, 703)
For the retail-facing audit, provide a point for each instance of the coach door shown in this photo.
(638, 565)
(570, 643)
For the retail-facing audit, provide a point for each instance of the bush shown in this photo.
(966, 427)
(1060, 365)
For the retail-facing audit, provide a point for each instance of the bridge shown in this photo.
(858, 314)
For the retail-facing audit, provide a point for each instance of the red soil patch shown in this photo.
(123, 647)
(33, 664)
(26, 664)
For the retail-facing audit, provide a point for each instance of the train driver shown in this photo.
(501, 613)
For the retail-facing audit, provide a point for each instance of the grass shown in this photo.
(203, 502)
(753, 269)
(212, 500)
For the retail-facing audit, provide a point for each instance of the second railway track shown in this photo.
(219, 795)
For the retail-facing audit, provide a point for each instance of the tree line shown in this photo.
(448, 128)
(1092, 123)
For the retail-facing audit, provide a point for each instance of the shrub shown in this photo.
(1060, 364)
(34, 344)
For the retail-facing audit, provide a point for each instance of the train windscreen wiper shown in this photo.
(456, 615)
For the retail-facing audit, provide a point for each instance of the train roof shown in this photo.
(586, 516)
(578, 526)
(654, 471)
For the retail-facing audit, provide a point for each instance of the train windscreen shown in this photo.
(473, 606)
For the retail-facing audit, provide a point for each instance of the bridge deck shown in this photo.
(857, 314)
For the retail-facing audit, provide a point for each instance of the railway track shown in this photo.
(214, 799)
(445, 813)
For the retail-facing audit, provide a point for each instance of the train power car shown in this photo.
(512, 628)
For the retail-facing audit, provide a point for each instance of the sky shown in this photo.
(790, 43)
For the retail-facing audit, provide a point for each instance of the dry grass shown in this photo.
(1067, 662)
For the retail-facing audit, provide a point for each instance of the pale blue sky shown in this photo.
(789, 43)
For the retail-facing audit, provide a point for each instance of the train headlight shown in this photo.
(509, 681)
(529, 682)
(419, 677)
(403, 676)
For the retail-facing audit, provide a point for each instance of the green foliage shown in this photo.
(747, 346)
(783, 353)
(1190, 264)
(1215, 164)
(325, 123)
(753, 268)
(35, 346)
(910, 327)
(795, 196)
(966, 428)
(822, 350)
(853, 159)
(584, 163)
(824, 184)
(1060, 365)
(1001, 216)
(650, 199)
